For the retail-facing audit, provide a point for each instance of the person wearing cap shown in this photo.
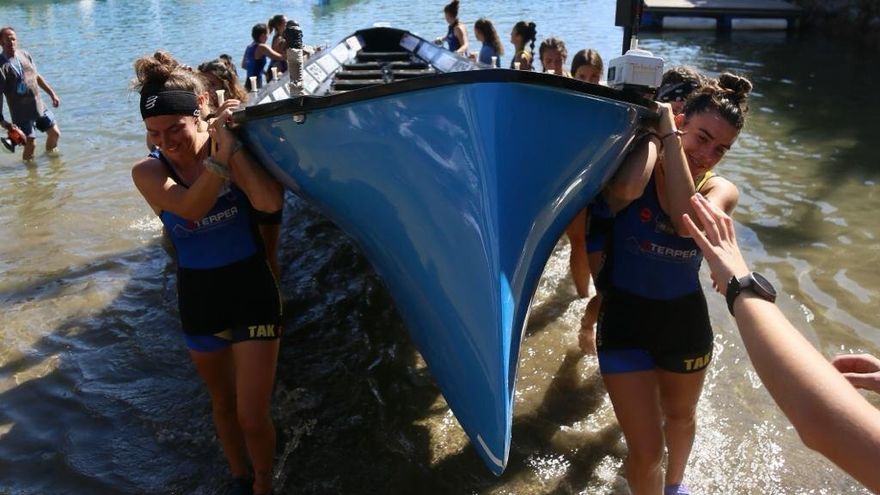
(205, 186)
(20, 82)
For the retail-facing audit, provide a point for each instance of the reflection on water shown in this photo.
(95, 384)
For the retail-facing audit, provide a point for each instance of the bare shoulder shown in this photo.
(149, 170)
(722, 192)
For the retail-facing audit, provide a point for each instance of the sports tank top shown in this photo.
(226, 234)
(255, 66)
(649, 258)
(451, 39)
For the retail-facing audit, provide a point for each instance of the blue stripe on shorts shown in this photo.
(625, 360)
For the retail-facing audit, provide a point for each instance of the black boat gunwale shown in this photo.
(303, 104)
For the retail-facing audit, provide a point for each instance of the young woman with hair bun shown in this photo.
(654, 338)
(456, 36)
(205, 186)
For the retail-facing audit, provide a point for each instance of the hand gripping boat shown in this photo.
(456, 183)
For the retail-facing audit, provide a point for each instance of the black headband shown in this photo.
(676, 92)
(168, 102)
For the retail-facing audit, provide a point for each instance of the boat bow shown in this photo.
(457, 187)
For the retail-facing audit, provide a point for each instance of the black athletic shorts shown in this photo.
(273, 218)
(634, 333)
(242, 298)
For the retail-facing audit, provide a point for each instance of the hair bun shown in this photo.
(738, 86)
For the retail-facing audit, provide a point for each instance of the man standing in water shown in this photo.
(18, 81)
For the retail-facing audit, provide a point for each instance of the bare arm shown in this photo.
(3, 121)
(678, 182)
(628, 183)
(267, 50)
(162, 193)
(49, 91)
(830, 416)
(264, 192)
(462, 36)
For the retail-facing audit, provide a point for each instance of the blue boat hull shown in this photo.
(457, 193)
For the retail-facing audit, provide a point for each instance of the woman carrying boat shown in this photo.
(456, 36)
(254, 59)
(203, 185)
(485, 33)
(599, 217)
(654, 338)
(523, 33)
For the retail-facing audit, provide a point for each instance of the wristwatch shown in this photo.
(754, 282)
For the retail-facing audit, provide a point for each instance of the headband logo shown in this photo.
(151, 102)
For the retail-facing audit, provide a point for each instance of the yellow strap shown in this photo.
(704, 179)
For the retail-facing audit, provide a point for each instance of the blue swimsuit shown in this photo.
(653, 313)
(254, 66)
(451, 39)
(226, 291)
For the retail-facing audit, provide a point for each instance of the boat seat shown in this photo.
(356, 83)
(387, 56)
(375, 74)
(376, 65)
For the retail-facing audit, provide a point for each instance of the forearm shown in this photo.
(45, 85)
(827, 412)
(679, 183)
(197, 200)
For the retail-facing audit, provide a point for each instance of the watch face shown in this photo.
(763, 284)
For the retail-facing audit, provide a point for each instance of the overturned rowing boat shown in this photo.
(456, 183)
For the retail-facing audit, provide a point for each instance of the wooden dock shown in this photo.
(723, 11)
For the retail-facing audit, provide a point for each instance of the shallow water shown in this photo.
(96, 387)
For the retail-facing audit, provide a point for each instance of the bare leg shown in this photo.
(637, 407)
(255, 363)
(52, 136)
(216, 369)
(270, 234)
(29, 146)
(679, 393)
(587, 335)
(580, 267)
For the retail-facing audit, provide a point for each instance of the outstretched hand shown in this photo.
(862, 370)
(717, 240)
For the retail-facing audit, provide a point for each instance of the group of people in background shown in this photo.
(552, 52)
